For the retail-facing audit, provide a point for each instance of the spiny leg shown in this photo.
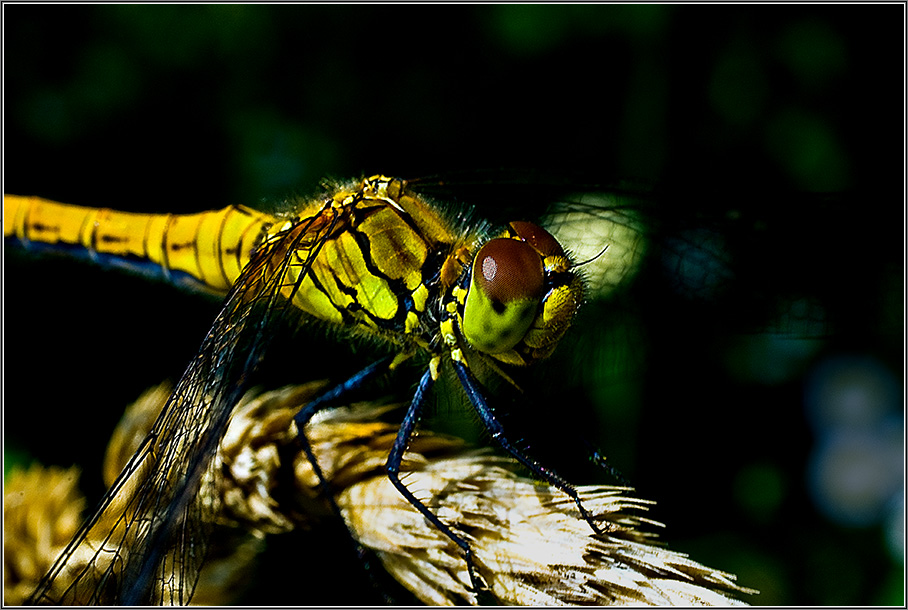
(393, 467)
(471, 386)
(332, 398)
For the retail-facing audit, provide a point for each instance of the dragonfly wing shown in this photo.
(147, 540)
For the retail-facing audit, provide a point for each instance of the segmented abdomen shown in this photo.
(208, 249)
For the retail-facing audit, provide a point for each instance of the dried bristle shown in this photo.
(530, 544)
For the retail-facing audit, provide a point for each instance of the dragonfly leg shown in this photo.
(495, 429)
(393, 467)
(331, 398)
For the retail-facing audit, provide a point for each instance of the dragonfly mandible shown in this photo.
(373, 257)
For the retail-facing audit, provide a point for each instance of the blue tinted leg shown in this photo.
(470, 385)
(329, 399)
(332, 398)
(393, 467)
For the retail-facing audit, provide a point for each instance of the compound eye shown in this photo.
(541, 240)
(507, 270)
(505, 291)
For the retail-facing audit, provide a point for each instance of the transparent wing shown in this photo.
(147, 540)
(743, 255)
(753, 253)
(671, 265)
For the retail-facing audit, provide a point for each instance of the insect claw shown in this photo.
(478, 586)
(590, 521)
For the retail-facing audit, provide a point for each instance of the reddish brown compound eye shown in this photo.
(539, 238)
(506, 289)
(508, 270)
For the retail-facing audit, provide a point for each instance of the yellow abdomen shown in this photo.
(210, 247)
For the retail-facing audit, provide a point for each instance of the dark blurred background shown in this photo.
(763, 413)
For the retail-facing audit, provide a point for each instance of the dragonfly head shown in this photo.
(522, 297)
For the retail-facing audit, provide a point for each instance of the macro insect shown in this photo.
(373, 257)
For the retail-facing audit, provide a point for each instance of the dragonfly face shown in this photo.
(522, 297)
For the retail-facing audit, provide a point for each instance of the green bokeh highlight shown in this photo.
(760, 490)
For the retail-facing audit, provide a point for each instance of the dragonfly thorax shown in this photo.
(377, 258)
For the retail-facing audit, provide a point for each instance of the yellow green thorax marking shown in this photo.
(378, 247)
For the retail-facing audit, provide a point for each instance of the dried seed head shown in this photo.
(42, 509)
(530, 545)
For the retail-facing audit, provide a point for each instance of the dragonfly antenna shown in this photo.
(588, 261)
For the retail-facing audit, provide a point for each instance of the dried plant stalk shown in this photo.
(42, 509)
(530, 544)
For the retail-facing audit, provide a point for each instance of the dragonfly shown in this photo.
(251, 256)
(372, 257)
